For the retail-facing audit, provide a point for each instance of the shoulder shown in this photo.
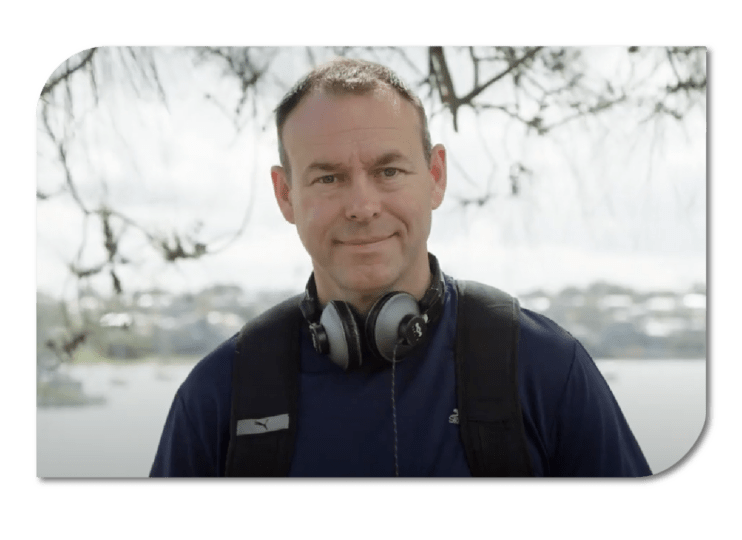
(573, 424)
(196, 434)
(548, 357)
(197, 427)
(214, 371)
(210, 377)
(569, 408)
(544, 341)
(541, 340)
(546, 351)
(286, 308)
(551, 359)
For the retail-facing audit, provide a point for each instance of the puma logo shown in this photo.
(256, 426)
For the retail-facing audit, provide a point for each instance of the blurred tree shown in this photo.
(541, 89)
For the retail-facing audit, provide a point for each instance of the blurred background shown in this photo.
(577, 182)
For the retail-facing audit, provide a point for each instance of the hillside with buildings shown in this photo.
(618, 322)
(611, 321)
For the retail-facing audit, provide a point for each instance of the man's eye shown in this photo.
(390, 172)
(329, 179)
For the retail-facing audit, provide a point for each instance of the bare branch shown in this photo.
(504, 108)
(172, 249)
(542, 90)
(475, 201)
(63, 161)
(86, 272)
(687, 86)
(403, 55)
(115, 281)
(442, 77)
(513, 66)
(596, 109)
(660, 109)
(156, 78)
(62, 77)
(443, 80)
(475, 61)
(65, 348)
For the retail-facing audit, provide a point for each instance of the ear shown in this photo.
(438, 174)
(282, 191)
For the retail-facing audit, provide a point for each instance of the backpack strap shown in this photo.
(490, 416)
(265, 390)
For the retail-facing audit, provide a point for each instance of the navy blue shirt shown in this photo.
(574, 426)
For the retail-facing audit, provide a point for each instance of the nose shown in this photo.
(363, 201)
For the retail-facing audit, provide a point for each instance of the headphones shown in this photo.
(393, 327)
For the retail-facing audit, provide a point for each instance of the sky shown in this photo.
(614, 203)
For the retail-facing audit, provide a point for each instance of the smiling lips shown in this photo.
(359, 242)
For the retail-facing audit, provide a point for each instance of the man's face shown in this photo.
(361, 194)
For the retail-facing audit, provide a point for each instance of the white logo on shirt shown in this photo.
(454, 418)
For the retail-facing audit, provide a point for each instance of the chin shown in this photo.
(368, 280)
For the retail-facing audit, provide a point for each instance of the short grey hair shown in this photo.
(347, 76)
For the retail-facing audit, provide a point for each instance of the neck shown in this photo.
(415, 282)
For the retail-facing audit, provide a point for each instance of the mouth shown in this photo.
(360, 242)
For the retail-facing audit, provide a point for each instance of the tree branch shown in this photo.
(444, 81)
(54, 81)
(601, 106)
(476, 91)
(63, 160)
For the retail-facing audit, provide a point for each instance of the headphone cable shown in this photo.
(394, 410)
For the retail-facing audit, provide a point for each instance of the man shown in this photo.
(359, 179)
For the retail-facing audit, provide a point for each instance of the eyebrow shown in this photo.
(390, 157)
(324, 166)
(384, 159)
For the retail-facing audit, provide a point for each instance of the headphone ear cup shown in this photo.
(343, 335)
(384, 321)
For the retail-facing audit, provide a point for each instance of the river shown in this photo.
(663, 400)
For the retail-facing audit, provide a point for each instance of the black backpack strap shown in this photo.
(265, 391)
(490, 416)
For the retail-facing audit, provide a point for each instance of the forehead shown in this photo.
(336, 126)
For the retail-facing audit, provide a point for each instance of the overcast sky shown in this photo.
(617, 203)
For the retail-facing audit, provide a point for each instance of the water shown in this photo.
(116, 439)
(663, 400)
